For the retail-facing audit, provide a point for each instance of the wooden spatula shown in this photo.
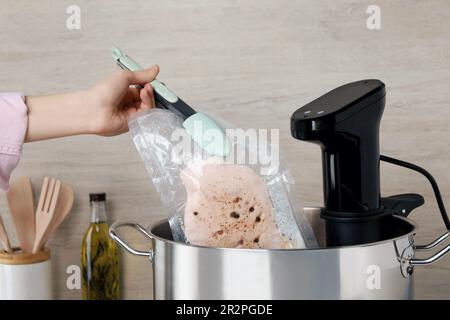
(21, 206)
(45, 210)
(63, 207)
(4, 237)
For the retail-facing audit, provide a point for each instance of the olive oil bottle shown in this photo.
(99, 255)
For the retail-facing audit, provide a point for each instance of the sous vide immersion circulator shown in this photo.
(345, 123)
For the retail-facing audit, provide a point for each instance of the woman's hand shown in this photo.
(103, 109)
(113, 101)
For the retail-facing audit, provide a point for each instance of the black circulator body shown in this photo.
(345, 124)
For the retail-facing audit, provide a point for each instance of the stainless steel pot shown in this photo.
(381, 270)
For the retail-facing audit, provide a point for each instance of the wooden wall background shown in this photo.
(250, 62)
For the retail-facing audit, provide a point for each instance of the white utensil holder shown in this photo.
(25, 276)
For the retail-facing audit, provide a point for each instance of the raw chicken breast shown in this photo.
(228, 206)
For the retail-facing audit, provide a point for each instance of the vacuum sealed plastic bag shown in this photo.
(230, 201)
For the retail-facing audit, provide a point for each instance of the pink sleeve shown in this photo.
(13, 126)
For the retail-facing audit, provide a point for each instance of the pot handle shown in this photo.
(436, 256)
(113, 233)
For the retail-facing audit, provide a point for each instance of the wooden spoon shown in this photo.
(4, 237)
(63, 207)
(45, 210)
(21, 206)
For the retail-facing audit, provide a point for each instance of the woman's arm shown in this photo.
(103, 109)
(13, 125)
(57, 115)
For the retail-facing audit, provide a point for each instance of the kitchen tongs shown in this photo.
(195, 123)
